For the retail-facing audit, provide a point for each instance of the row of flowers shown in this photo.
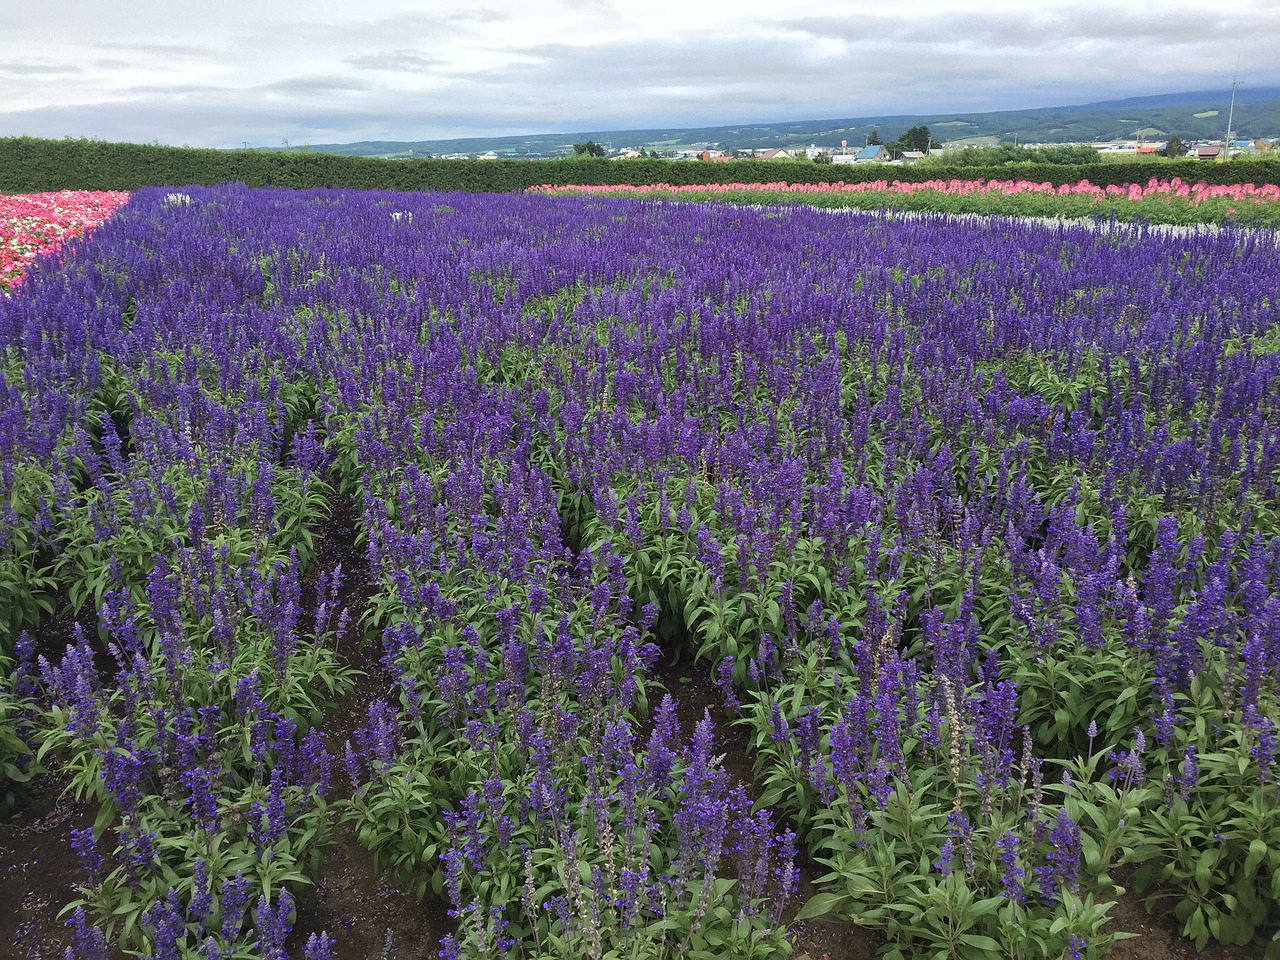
(37, 223)
(1175, 187)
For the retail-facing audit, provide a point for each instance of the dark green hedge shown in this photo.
(29, 165)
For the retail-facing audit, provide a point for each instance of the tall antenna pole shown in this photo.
(1226, 144)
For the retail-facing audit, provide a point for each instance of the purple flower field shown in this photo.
(971, 526)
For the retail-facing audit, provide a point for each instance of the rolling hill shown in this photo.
(1195, 115)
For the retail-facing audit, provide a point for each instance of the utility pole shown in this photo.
(1226, 144)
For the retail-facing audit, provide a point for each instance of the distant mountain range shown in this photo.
(1196, 115)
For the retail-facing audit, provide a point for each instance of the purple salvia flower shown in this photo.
(450, 948)
(378, 739)
(660, 755)
(85, 845)
(26, 667)
(202, 800)
(90, 944)
(248, 699)
(945, 857)
(453, 858)
(786, 874)
(1013, 875)
(273, 926)
(879, 785)
(232, 901)
(201, 894)
(958, 827)
(1062, 871)
(354, 768)
(167, 922)
(724, 681)
(1265, 750)
(1128, 763)
(139, 851)
(1190, 773)
(781, 732)
(319, 946)
(454, 680)
(317, 763)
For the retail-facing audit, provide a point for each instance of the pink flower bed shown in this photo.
(36, 223)
(1194, 193)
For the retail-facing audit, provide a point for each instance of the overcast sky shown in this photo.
(262, 71)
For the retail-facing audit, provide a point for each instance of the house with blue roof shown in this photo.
(877, 152)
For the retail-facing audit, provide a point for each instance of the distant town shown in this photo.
(1244, 122)
(872, 152)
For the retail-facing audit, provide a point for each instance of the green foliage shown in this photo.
(1007, 154)
(924, 862)
(1207, 840)
(91, 564)
(26, 581)
(143, 719)
(17, 759)
(30, 165)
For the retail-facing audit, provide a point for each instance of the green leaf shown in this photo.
(979, 942)
(1204, 868)
(1257, 853)
(820, 904)
(1196, 929)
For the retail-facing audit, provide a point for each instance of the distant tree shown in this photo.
(1007, 153)
(823, 158)
(874, 140)
(589, 149)
(1063, 153)
(917, 138)
(1175, 147)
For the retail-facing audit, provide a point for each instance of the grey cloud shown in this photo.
(39, 70)
(480, 15)
(228, 121)
(382, 32)
(397, 61)
(675, 63)
(382, 78)
(1045, 28)
(314, 86)
(162, 49)
(597, 8)
(169, 90)
(730, 79)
